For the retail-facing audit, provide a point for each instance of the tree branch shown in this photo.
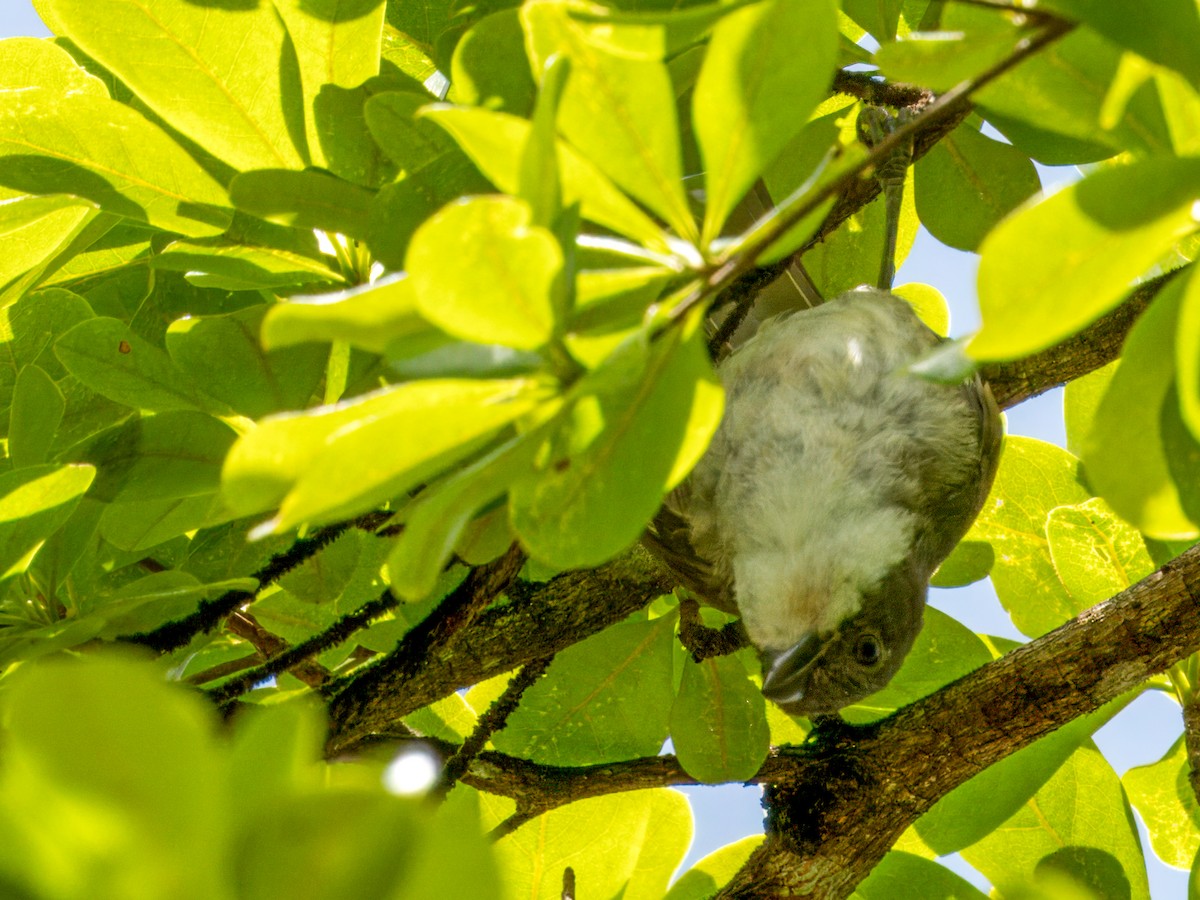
(1096, 346)
(846, 803)
(537, 621)
(839, 802)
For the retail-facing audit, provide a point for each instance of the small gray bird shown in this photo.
(836, 484)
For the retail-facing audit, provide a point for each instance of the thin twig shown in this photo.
(353, 696)
(301, 653)
(489, 724)
(746, 257)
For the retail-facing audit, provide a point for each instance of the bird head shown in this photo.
(824, 672)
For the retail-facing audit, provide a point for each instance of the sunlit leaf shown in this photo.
(109, 358)
(1058, 265)
(1128, 453)
(750, 69)
(227, 95)
(627, 444)
(481, 271)
(617, 110)
(1034, 478)
(1076, 833)
(493, 140)
(34, 502)
(605, 698)
(623, 844)
(104, 152)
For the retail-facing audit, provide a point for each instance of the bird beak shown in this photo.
(785, 672)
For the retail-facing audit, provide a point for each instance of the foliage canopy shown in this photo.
(337, 329)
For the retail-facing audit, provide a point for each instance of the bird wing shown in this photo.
(669, 537)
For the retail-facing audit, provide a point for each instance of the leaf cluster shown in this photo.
(352, 345)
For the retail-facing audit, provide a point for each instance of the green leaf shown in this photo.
(1081, 402)
(273, 753)
(971, 561)
(226, 95)
(236, 266)
(1059, 265)
(1129, 458)
(1034, 478)
(702, 880)
(617, 110)
(879, 17)
(967, 183)
(851, 255)
(982, 805)
(27, 326)
(719, 722)
(110, 359)
(607, 698)
(1168, 33)
(438, 517)
(325, 461)
(224, 353)
(903, 876)
(1095, 553)
(370, 316)
(57, 557)
(37, 410)
(1163, 796)
(750, 68)
(106, 153)
(627, 444)
(940, 60)
(34, 503)
(539, 181)
(483, 72)
(623, 845)
(337, 45)
(124, 243)
(322, 577)
(140, 525)
(162, 457)
(1077, 833)
(494, 140)
(1187, 353)
(158, 598)
(149, 768)
(308, 199)
(402, 207)
(928, 303)
(33, 62)
(408, 141)
(482, 272)
(35, 229)
(1052, 106)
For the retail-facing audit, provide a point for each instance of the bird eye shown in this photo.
(867, 650)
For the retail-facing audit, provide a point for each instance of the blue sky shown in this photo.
(1139, 735)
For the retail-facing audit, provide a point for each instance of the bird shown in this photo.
(836, 483)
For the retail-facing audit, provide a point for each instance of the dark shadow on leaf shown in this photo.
(339, 10)
(1094, 872)
(232, 5)
(44, 175)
